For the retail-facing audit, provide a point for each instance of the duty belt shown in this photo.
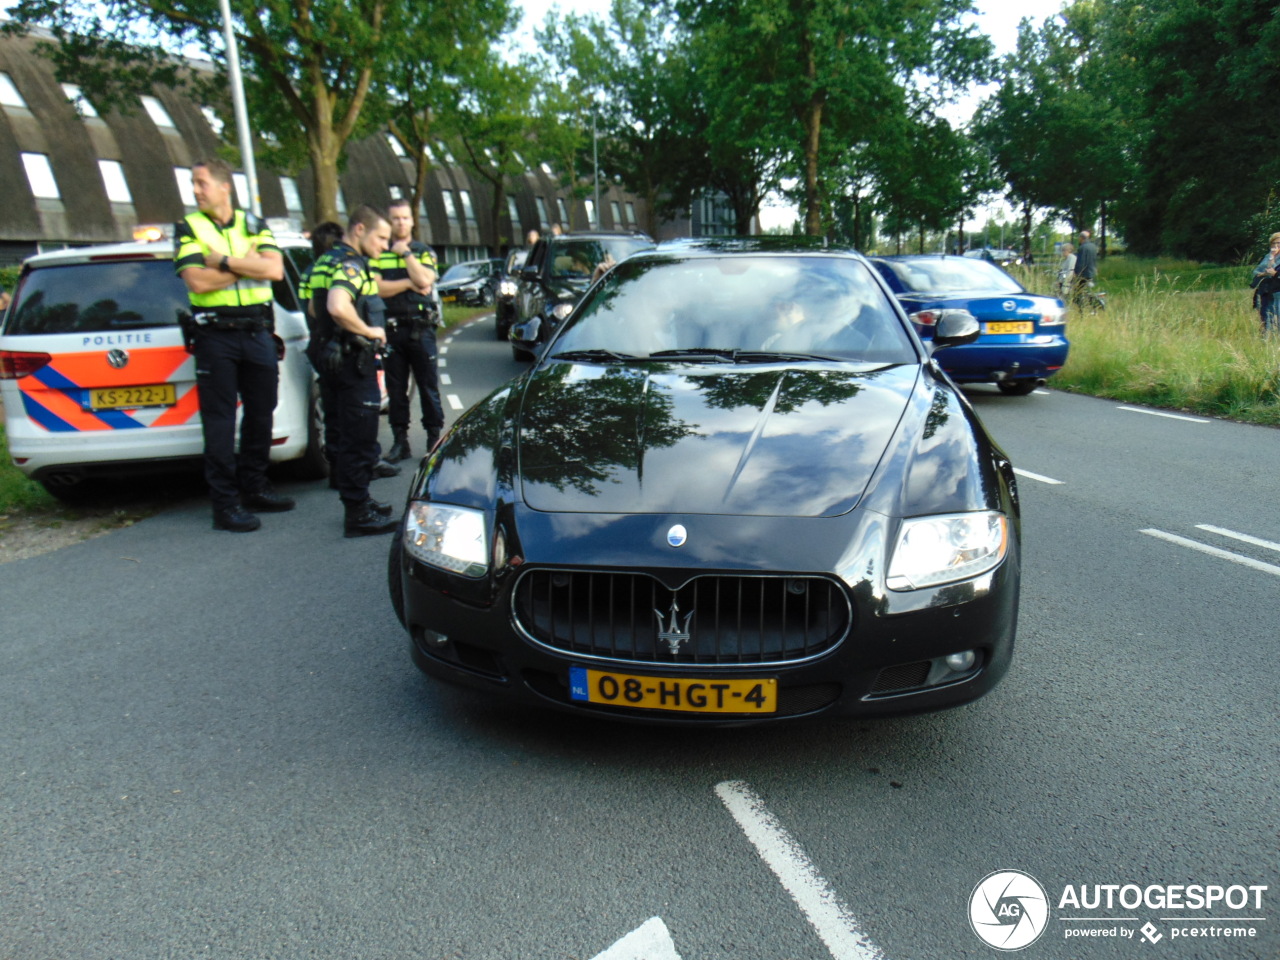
(222, 321)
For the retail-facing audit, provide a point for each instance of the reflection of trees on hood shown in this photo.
(576, 434)
(938, 415)
(799, 387)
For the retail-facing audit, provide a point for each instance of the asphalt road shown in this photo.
(216, 746)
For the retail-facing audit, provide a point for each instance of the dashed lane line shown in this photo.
(1035, 476)
(1243, 537)
(1158, 413)
(1221, 554)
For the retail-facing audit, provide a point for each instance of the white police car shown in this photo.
(96, 380)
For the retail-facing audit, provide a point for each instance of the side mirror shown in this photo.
(527, 273)
(526, 332)
(955, 328)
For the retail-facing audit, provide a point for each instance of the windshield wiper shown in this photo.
(594, 356)
(697, 353)
(755, 356)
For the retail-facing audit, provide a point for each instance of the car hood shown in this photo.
(658, 438)
(464, 282)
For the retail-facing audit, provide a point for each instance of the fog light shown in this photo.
(434, 639)
(961, 662)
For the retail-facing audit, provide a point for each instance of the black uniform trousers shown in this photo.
(357, 402)
(413, 352)
(233, 364)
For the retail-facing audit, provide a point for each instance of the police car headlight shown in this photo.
(452, 538)
(944, 549)
(561, 310)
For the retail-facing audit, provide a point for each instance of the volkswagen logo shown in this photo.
(118, 358)
(677, 535)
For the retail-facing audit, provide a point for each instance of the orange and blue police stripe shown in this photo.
(56, 396)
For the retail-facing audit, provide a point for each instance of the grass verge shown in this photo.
(1175, 335)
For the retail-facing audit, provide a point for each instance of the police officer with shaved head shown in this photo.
(350, 333)
(228, 260)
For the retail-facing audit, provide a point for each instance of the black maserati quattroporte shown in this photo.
(734, 488)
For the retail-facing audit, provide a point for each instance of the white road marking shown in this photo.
(442, 362)
(1157, 413)
(446, 380)
(830, 918)
(454, 402)
(1035, 476)
(1214, 551)
(445, 348)
(1243, 537)
(1043, 393)
(649, 941)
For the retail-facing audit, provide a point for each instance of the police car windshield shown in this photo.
(91, 297)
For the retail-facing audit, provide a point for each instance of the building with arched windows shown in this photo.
(73, 174)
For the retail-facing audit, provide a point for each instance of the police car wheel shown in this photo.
(395, 586)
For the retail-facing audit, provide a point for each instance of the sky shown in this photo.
(998, 19)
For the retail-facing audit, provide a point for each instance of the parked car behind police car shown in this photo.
(96, 380)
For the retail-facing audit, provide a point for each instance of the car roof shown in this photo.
(772, 245)
(134, 249)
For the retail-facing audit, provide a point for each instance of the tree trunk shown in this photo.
(325, 150)
(1026, 230)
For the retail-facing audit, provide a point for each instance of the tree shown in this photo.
(309, 66)
(819, 66)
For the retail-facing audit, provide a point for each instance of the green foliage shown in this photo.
(1176, 335)
(18, 492)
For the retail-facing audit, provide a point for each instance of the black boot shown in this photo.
(383, 469)
(433, 437)
(363, 521)
(400, 449)
(267, 500)
(236, 519)
(382, 509)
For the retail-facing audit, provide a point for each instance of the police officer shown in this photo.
(408, 270)
(349, 332)
(228, 259)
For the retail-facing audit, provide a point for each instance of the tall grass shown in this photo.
(18, 492)
(1175, 335)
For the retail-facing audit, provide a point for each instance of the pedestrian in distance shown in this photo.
(1266, 287)
(350, 318)
(1066, 269)
(228, 260)
(1086, 269)
(407, 271)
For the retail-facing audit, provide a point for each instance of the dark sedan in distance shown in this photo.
(473, 284)
(1024, 335)
(734, 488)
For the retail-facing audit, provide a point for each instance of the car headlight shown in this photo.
(448, 537)
(507, 288)
(561, 310)
(944, 549)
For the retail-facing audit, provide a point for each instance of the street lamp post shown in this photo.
(595, 163)
(241, 110)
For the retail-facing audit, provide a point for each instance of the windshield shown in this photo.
(465, 271)
(91, 297)
(824, 306)
(579, 258)
(952, 275)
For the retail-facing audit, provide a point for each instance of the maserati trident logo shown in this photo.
(118, 358)
(673, 634)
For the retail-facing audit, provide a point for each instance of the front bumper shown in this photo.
(465, 632)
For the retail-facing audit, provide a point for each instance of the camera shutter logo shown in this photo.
(1009, 910)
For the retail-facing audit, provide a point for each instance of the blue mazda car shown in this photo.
(1024, 335)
